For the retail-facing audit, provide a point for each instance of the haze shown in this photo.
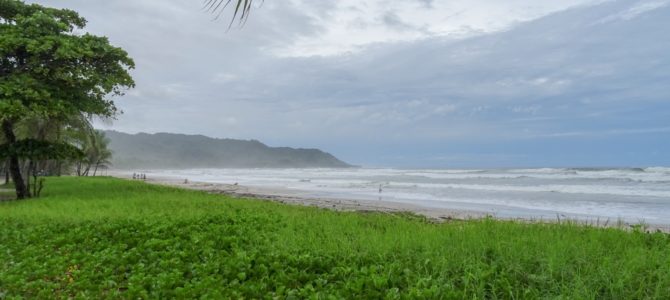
(521, 83)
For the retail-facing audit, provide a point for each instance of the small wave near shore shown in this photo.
(634, 195)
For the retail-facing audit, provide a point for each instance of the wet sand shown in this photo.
(297, 197)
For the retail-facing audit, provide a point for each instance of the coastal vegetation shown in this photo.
(100, 237)
(54, 79)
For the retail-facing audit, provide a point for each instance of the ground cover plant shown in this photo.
(112, 238)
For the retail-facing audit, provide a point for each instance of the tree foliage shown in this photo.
(40, 150)
(96, 152)
(49, 70)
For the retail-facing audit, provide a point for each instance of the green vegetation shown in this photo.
(103, 237)
(97, 154)
(51, 77)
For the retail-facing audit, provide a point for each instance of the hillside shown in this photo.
(176, 151)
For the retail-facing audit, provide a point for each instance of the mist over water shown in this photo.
(629, 194)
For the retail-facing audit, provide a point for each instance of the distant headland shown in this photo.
(180, 151)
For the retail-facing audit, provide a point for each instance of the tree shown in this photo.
(48, 70)
(96, 152)
(33, 151)
(103, 155)
(242, 8)
(4, 162)
(41, 129)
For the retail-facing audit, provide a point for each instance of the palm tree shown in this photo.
(96, 153)
(42, 129)
(242, 8)
(74, 130)
(104, 154)
(4, 163)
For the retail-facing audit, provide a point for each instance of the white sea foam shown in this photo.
(634, 194)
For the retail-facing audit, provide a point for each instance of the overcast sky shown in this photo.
(424, 83)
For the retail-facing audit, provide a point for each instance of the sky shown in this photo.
(424, 83)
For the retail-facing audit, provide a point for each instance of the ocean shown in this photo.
(635, 195)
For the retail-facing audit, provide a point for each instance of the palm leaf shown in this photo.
(241, 12)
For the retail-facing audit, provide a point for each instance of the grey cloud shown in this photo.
(391, 19)
(427, 3)
(554, 62)
(566, 72)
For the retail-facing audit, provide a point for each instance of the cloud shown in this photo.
(349, 26)
(367, 79)
(635, 10)
(608, 132)
(427, 3)
(392, 20)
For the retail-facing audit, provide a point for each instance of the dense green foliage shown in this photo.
(40, 150)
(50, 71)
(102, 237)
(96, 152)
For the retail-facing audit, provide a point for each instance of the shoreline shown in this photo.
(297, 197)
(303, 198)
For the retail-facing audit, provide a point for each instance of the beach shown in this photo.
(296, 197)
(352, 202)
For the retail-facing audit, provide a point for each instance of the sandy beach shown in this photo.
(297, 197)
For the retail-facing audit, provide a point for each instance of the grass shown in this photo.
(111, 238)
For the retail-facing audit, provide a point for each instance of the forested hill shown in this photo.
(179, 151)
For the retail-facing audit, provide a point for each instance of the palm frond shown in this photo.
(241, 12)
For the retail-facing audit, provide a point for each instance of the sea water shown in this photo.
(636, 195)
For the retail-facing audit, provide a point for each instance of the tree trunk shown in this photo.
(58, 139)
(96, 169)
(29, 172)
(6, 172)
(87, 169)
(14, 168)
(24, 166)
(26, 175)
